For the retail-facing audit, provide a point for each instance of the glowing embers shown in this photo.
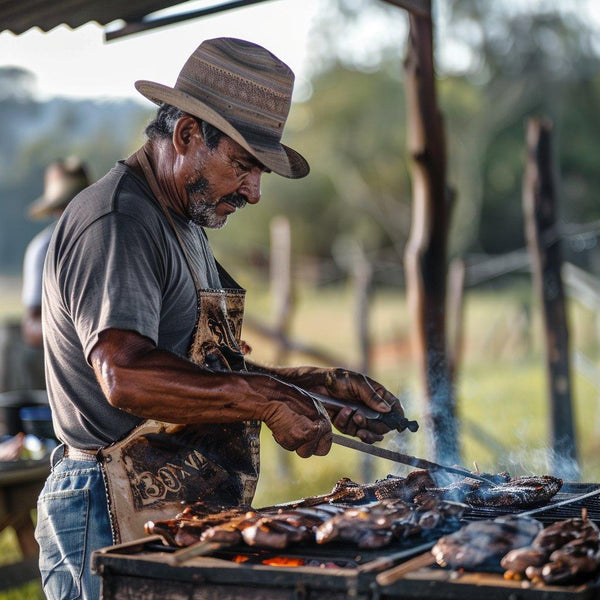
(262, 558)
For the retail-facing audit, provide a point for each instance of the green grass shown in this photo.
(501, 386)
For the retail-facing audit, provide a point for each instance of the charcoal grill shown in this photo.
(145, 569)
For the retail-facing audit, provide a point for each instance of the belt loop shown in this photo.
(57, 455)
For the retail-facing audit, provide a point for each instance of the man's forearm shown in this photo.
(139, 378)
(310, 378)
(153, 383)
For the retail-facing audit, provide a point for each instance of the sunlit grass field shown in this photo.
(500, 388)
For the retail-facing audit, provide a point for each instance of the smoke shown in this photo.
(535, 461)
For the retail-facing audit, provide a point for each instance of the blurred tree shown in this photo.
(498, 63)
(352, 132)
(34, 133)
(523, 59)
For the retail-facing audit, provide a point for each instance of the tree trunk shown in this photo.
(425, 255)
(281, 284)
(539, 205)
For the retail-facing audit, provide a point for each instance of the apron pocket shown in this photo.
(61, 533)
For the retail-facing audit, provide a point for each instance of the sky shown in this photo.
(79, 63)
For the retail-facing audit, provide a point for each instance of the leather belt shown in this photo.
(77, 454)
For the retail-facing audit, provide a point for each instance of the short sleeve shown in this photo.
(112, 278)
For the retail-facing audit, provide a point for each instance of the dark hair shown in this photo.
(163, 125)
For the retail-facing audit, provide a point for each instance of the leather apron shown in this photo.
(159, 466)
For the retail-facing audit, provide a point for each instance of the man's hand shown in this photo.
(297, 422)
(352, 388)
(150, 383)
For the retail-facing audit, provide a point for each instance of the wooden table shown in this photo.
(20, 485)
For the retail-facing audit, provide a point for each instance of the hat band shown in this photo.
(234, 110)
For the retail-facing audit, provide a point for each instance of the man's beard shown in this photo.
(202, 213)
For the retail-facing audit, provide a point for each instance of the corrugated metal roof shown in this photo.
(20, 15)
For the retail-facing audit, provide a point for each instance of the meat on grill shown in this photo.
(509, 492)
(187, 526)
(346, 491)
(564, 552)
(275, 530)
(376, 525)
(369, 526)
(519, 491)
(406, 488)
(483, 543)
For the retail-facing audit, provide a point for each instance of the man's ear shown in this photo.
(186, 133)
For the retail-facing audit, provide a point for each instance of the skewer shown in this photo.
(392, 575)
(197, 549)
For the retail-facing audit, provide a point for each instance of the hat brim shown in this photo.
(42, 207)
(279, 158)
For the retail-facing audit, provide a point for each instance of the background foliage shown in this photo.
(497, 66)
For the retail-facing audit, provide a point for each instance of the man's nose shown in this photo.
(251, 187)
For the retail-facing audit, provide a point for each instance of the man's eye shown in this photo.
(240, 166)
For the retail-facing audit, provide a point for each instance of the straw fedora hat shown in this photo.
(241, 89)
(63, 180)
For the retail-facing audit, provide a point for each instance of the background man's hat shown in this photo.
(63, 180)
(241, 89)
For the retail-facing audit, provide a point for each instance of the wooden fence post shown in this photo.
(281, 296)
(281, 283)
(539, 205)
(425, 255)
(363, 276)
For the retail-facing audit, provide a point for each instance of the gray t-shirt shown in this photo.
(33, 267)
(114, 262)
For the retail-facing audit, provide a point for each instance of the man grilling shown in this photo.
(150, 392)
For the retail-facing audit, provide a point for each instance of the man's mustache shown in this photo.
(235, 199)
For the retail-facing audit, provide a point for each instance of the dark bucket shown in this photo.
(11, 404)
(37, 420)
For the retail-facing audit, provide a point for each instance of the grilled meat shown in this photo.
(368, 526)
(516, 492)
(517, 561)
(563, 532)
(376, 525)
(268, 529)
(347, 491)
(271, 532)
(519, 491)
(564, 552)
(187, 526)
(484, 543)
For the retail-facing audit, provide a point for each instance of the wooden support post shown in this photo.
(281, 283)
(281, 297)
(539, 205)
(363, 275)
(425, 254)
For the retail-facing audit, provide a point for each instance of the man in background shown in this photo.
(63, 180)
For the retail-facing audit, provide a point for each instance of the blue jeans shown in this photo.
(72, 521)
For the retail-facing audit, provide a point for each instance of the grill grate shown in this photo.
(570, 511)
